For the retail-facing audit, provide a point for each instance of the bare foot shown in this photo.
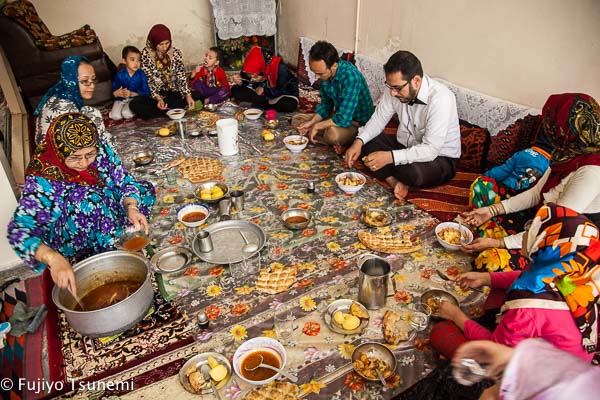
(400, 190)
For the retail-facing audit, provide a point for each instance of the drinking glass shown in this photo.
(251, 264)
(236, 269)
(276, 249)
(285, 324)
(419, 316)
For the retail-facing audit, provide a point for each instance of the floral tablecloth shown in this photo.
(325, 254)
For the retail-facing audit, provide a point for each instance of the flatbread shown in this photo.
(274, 391)
(199, 170)
(276, 280)
(389, 243)
(395, 327)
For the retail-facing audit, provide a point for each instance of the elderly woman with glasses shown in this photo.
(77, 200)
(164, 68)
(77, 83)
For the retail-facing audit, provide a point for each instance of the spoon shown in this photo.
(463, 239)
(77, 299)
(248, 247)
(446, 278)
(380, 376)
(262, 365)
(205, 369)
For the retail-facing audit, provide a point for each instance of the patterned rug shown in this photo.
(84, 359)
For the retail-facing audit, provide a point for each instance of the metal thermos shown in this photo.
(373, 281)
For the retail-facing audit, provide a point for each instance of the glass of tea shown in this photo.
(276, 249)
(284, 324)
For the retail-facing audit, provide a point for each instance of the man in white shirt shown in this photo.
(427, 144)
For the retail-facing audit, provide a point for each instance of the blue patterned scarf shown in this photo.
(68, 86)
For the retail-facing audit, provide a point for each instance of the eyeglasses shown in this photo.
(396, 88)
(89, 83)
(89, 156)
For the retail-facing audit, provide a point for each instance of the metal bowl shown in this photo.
(376, 217)
(374, 350)
(272, 124)
(143, 157)
(197, 361)
(209, 186)
(296, 212)
(429, 296)
(211, 107)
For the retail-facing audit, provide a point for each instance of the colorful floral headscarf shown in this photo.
(68, 86)
(571, 123)
(67, 134)
(565, 248)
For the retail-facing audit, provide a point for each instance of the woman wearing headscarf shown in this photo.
(77, 83)
(266, 82)
(554, 300)
(164, 68)
(76, 201)
(571, 125)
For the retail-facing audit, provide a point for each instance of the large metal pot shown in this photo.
(96, 271)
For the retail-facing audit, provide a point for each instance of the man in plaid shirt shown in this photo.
(346, 102)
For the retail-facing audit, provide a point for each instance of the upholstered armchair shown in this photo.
(35, 55)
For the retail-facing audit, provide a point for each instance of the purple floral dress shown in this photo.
(73, 219)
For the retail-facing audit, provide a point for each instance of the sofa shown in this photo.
(35, 55)
(491, 129)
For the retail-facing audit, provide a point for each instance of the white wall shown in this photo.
(518, 50)
(126, 22)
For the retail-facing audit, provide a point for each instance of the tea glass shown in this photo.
(285, 325)
(419, 316)
(276, 249)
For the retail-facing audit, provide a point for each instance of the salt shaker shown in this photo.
(202, 320)
(310, 187)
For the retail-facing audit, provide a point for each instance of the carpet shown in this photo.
(77, 358)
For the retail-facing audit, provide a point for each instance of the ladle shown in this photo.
(281, 371)
(76, 299)
(248, 247)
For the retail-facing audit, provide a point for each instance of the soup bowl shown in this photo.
(192, 215)
(296, 218)
(99, 271)
(270, 349)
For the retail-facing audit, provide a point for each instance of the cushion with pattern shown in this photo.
(474, 145)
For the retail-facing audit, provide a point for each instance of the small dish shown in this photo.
(443, 227)
(296, 218)
(211, 107)
(197, 361)
(343, 305)
(253, 113)
(255, 345)
(376, 217)
(433, 298)
(132, 241)
(143, 157)
(350, 182)
(171, 259)
(295, 143)
(192, 215)
(205, 188)
(377, 351)
(176, 113)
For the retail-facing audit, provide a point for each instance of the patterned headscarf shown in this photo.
(67, 134)
(68, 86)
(571, 123)
(159, 33)
(565, 248)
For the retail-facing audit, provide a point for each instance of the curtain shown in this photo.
(235, 18)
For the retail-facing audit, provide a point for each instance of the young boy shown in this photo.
(210, 80)
(128, 83)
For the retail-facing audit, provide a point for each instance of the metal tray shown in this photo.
(228, 243)
(343, 305)
(199, 360)
(171, 259)
(439, 295)
(387, 217)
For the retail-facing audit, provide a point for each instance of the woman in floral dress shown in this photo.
(76, 201)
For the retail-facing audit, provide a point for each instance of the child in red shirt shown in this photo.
(210, 80)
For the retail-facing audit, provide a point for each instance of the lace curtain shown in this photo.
(477, 108)
(235, 18)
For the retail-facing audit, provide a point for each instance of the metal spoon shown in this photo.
(446, 278)
(380, 376)
(248, 247)
(282, 372)
(205, 369)
(463, 239)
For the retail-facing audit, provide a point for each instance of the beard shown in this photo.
(412, 94)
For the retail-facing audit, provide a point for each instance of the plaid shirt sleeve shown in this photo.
(325, 107)
(350, 91)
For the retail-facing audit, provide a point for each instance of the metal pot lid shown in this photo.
(171, 259)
